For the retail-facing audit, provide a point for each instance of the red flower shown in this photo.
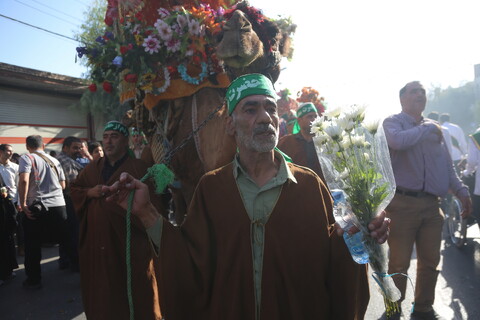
(171, 69)
(148, 32)
(124, 49)
(107, 86)
(196, 59)
(131, 77)
(92, 87)
(139, 16)
(108, 21)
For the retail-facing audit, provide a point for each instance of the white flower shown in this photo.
(151, 44)
(182, 20)
(317, 125)
(346, 123)
(371, 125)
(194, 27)
(358, 141)
(357, 112)
(333, 112)
(344, 174)
(367, 156)
(320, 139)
(164, 30)
(346, 143)
(334, 131)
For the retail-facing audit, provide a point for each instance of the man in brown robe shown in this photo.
(257, 243)
(299, 146)
(103, 238)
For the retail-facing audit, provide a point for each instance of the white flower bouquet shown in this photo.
(356, 164)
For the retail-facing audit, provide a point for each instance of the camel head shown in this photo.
(249, 43)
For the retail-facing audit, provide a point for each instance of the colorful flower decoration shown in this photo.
(178, 39)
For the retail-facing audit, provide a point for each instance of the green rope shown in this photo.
(128, 255)
(162, 176)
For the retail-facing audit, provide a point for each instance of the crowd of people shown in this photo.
(240, 254)
(33, 184)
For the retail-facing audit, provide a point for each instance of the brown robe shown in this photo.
(102, 251)
(301, 151)
(207, 269)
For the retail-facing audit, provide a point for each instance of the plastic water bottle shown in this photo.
(343, 216)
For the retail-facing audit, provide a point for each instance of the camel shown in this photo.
(248, 43)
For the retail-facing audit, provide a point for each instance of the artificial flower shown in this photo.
(164, 30)
(182, 21)
(173, 45)
(193, 27)
(163, 13)
(138, 39)
(107, 86)
(132, 78)
(117, 61)
(151, 44)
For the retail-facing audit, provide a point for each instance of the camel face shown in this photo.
(240, 45)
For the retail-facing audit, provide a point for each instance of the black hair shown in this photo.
(93, 145)
(34, 142)
(69, 140)
(4, 146)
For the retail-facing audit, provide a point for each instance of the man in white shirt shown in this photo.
(459, 143)
(9, 175)
(9, 170)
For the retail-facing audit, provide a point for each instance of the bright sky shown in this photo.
(350, 51)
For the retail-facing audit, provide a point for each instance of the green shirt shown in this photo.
(259, 203)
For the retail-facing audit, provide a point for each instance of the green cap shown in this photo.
(248, 85)
(306, 108)
(116, 126)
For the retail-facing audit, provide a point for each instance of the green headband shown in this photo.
(248, 85)
(306, 108)
(116, 126)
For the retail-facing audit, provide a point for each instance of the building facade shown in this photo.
(37, 102)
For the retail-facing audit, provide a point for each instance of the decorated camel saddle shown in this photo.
(173, 60)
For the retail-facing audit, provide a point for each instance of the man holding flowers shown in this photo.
(424, 172)
(258, 241)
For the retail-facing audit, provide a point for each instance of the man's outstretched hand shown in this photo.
(141, 207)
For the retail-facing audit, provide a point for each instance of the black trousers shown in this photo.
(52, 227)
(69, 256)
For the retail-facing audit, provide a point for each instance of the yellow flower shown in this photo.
(148, 77)
(138, 39)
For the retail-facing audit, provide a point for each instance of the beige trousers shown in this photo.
(416, 221)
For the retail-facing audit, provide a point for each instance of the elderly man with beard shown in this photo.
(258, 240)
(103, 237)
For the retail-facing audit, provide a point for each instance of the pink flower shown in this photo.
(163, 13)
(164, 30)
(173, 45)
(151, 44)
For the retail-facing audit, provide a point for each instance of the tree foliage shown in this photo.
(93, 25)
(459, 102)
(101, 103)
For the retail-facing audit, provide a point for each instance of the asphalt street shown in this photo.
(457, 294)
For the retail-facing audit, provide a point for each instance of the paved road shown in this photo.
(458, 288)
